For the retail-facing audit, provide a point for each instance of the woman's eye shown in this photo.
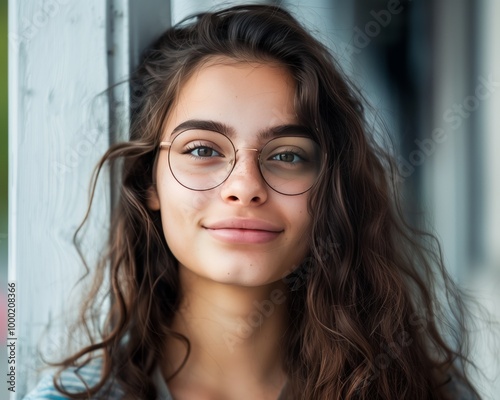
(203, 151)
(287, 157)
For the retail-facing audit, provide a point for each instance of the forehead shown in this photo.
(242, 94)
(223, 70)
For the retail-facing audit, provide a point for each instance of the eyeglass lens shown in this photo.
(202, 160)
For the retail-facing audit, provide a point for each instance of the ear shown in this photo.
(153, 200)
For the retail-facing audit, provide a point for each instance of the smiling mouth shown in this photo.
(243, 236)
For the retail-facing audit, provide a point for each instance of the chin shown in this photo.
(236, 277)
(240, 275)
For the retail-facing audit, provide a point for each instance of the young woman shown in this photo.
(257, 250)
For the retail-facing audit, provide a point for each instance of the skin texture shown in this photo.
(235, 353)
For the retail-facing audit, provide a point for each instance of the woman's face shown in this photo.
(241, 232)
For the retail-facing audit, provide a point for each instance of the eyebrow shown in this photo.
(267, 133)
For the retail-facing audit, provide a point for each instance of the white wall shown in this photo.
(57, 65)
(486, 279)
(62, 54)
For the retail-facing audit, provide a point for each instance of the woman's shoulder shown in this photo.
(73, 380)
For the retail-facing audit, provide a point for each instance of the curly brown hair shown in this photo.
(365, 320)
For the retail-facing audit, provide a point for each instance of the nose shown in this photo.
(245, 185)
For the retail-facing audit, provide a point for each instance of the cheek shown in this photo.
(299, 222)
(181, 211)
(200, 200)
(175, 198)
(303, 222)
(298, 211)
(174, 207)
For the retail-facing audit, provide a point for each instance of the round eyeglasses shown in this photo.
(202, 160)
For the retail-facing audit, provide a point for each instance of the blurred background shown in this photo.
(430, 69)
(3, 189)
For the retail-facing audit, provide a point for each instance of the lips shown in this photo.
(245, 231)
(244, 223)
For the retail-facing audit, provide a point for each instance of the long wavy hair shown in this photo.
(365, 319)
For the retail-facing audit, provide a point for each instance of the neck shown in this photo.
(235, 332)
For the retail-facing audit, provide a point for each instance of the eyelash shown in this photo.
(190, 147)
(295, 152)
(193, 146)
(300, 159)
